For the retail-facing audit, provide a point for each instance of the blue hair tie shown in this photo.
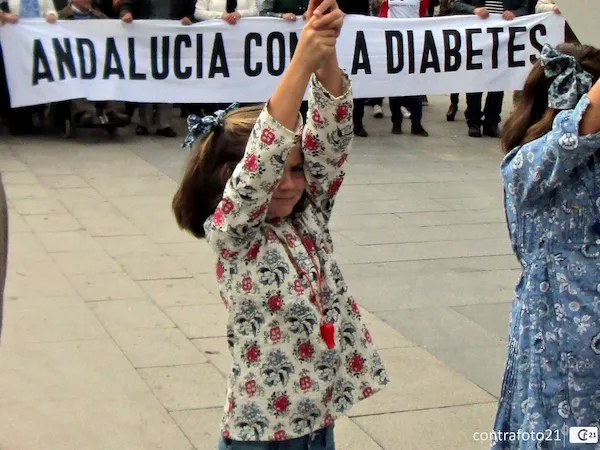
(200, 127)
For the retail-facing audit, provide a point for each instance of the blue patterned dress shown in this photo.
(552, 377)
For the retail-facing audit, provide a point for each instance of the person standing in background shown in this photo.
(159, 114)
(363, 8)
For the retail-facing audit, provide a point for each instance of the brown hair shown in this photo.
(212, 161)
(531, 117)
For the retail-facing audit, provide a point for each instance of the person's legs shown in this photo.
(164, 112)
(453, 108)
(473, 113)
(146, 114)
(377, 107)
(320, 440)
(415, 105)
(359, 114)
(396, 110)
(492, 113)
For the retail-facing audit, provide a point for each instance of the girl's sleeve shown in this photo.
(236, 221)
(537, 168)
(327, 137)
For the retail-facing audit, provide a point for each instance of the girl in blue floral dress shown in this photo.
(260, 187)
(552, 198)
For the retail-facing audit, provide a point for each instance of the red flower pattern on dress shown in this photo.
(227, 206)
(355, 308)
(252, 354)
(367, 392)
(342, 160)
(251, 163)
(310, 143)
(280, 436)
(253, 252)
(250, 387)
(328, 420)
(231, 404)
(290, 240)
(247, 284)
(275, 334)
(267, 136)
(305, 383)
(227, 254)
(368, 336)
(316, 117)
(298, 287)
(305, 351)
(309, 244)
(281, 404)
(357, 363)
(225, 434)
(341, 112)
(259, 212)
(218, 217)
(334, 187)
(220, 270)
(275, 303)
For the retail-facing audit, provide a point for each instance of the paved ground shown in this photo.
(114, 334)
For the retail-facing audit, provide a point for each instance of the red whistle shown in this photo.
(327, 332)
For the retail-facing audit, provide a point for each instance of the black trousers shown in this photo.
(359, 112)
(413, 103)
(491, 113)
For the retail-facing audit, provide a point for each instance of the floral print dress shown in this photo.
(285, 382)
(552, 377)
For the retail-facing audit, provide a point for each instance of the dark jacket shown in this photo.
(183, 8)
(67, 13)
(355, 6)
(519, 7)
(278, 7)
(158, 9)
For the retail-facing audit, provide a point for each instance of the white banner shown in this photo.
(214, 62)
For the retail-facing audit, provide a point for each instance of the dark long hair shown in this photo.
(531, 117)
(211, 164)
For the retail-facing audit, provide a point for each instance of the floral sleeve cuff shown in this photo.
(324, 94)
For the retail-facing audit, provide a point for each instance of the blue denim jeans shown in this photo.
(319, 440)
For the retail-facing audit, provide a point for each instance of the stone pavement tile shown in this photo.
(31, 206)
(66, 370)
(425, 234)
(493, 317)
(151, 267)
(361, 222)
(383, 335)
(13, 166)
(350, 436)
(85, 262)
(199, 321)
(41, 319)
(483, 365)
(209, 281)
(26, 246)
(30, 278)
(130, 314)
(194, 386)
(106, 286)
(467, 204)
(115, 186)
(453, 217)
(448, 189)
(86, 203)
(52, 222)
(69, 241)
(113, 422)
(157, 347)
(16, 224)
(196, 257)
(426, 250)
(216, 350)
(201, 426)
(404, 205)
(179, 292)
(143, 206)
(451, 428)
(63, 181)
(439, 328)
(126, 245)
(353, 177)
(357, 193)
(476, 264)
(163, 231)
(28, 191)
(419, 381)
(428, 289)
(109, 225)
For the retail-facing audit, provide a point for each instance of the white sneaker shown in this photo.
(377, 112)
(405, 112)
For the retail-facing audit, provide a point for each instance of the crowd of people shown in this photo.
(483, 118)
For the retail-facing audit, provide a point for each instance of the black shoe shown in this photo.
(491, 131)
(167, 132)
(141, 131)
(451, 114)
(418, 130)
(360, 132)
(397, 128)
(475, 131)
